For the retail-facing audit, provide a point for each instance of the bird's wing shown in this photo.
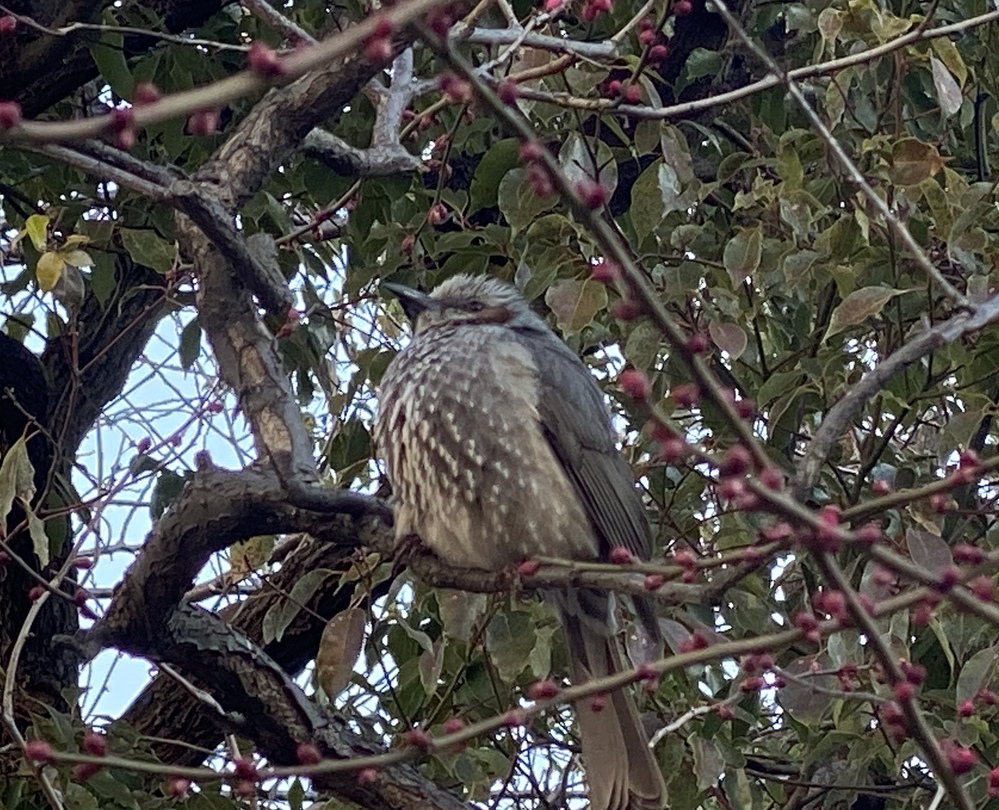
(575, 421)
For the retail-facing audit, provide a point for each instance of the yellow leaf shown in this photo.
(75, 239)
(77, 258)
(37, 228)
(49, 269)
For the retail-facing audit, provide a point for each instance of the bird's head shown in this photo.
(465, 300)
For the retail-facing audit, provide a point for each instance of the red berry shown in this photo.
(178, 787)
(418, 738)
(746, 408)
(753, 684)
(635, 383)
(36, 593)
(515, 718)
(367, 776)
(967, 554)
(697, 343)
(598, 702)
(772, 478)
(437, 214)
(869, 534)
(686, 395)
(264, 60)
(507, 91)
(10, 114)
(737, 461)
(681, 8)
(143, 446)
(542, 690)
(965, 708)
(646, 36)
(378, 50)
(685, 558)
(626, 309)
(604, 271)
(632, 93)
(968, 458)
(83, 563)
(528, 568)
(539, 180)
(453, 725)
(880, 487)
(95, 744)
(145, 93)
(674, 450)
(84, 770)
(614, 88)
(531, 151)
(308, 754)
(7, 23)
(961, 759)
(949, 577)
(904, 691)
(214, 406)
(984, 588)
(39, 751)
(914, 673)
(940, 502)
(203, 122)
(619, 555)
(245, 769)
(657, 54)
(653, 582)
(591, 193)
(455, 88)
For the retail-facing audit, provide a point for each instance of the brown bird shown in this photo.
(499, 448)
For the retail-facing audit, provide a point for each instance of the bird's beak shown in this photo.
(413, 301)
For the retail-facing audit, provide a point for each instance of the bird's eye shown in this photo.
(475, 306)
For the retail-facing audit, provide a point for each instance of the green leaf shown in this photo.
(976, 673)
(510, 638)
(518, 202)
(484, 189)
(190, 343)
(729, 337)
(575, 303)
(742, 254)
(148, 248)
(111, 62)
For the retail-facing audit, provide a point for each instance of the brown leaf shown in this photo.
(339, 649)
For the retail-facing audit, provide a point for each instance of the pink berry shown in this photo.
(635, 383)
(10, 114)
(8, 23)
(453, 725)
(39, 751)
(264, 60)
(145, 93)
(95, 744)
(542, 690)
(528, 568)
(591, 193)
(308, 754)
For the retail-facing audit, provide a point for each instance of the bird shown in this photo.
(499, 447)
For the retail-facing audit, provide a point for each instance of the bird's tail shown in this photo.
(621, 772)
